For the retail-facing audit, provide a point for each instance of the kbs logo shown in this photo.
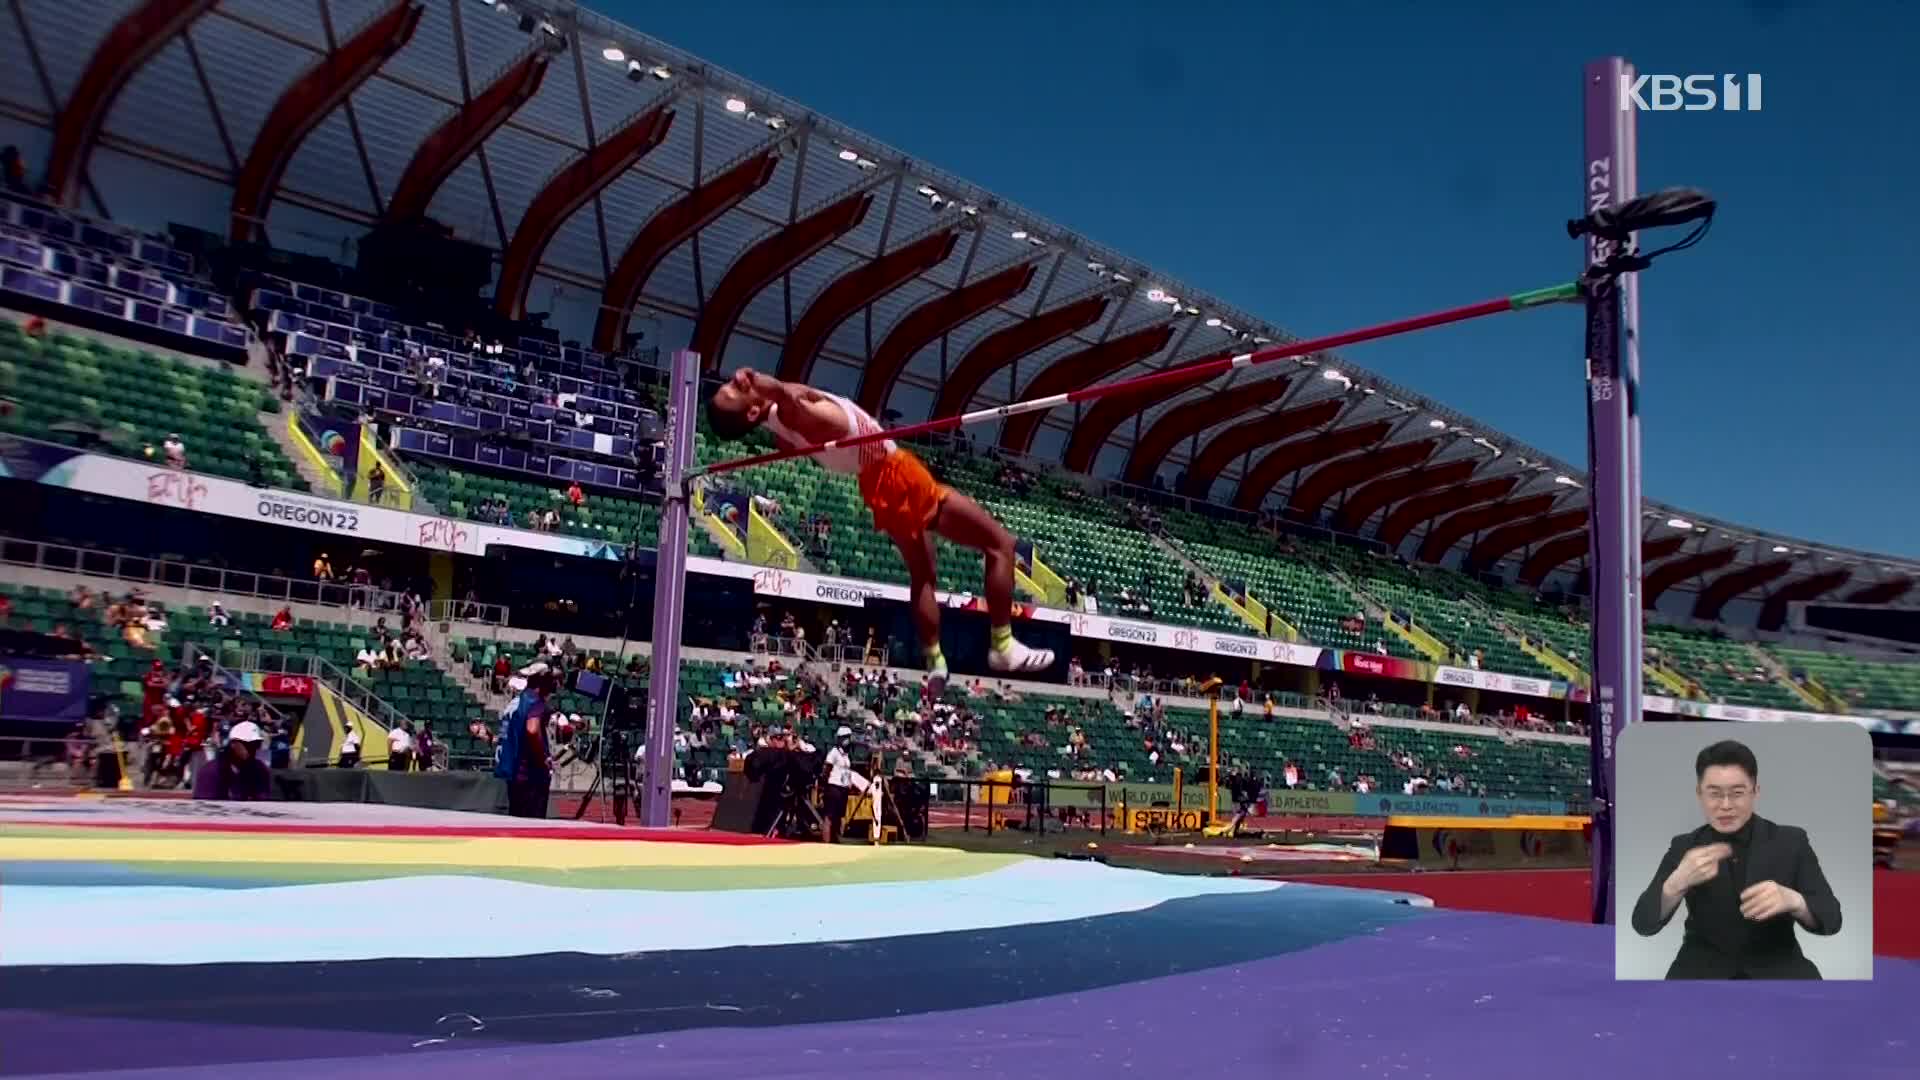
(772, 582)
(440, 533)
(176, 489)
(1689, 93)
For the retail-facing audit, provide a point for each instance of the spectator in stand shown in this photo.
(238, 774)
(283, 619)
(6, 609)
(176, 451)
(575, 496)
(873, 654)
(217, 615)
(322, 568)
(376, 483)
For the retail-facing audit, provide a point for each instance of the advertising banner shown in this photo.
(1374, 664)
(283, 686)
(1470, 679)
(50, 691)
(1385, 805)
(1457, 848)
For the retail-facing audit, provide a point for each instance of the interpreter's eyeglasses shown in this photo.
(1730, 796)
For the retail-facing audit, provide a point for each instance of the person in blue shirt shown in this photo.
(525, 760)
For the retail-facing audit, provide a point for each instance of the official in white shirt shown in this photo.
(840, 778)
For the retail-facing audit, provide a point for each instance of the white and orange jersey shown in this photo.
(852, 460)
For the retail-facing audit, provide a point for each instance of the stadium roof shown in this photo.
(593, 155)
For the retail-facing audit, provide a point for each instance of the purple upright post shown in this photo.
(670, 591)
(1607, 177)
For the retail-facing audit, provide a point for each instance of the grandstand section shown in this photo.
(1296, 530)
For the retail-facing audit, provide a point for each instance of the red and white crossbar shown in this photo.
(1204, 369)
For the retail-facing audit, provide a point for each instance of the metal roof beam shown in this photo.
(300, 109)
(1428, 505)
(1667, 575)
(854, 290)
(1450, 530)
(121, 54)
(1189, 418)
(1230, 445)
(1885, 592)
(1337, 476)
(567, 192)
(1498, 543)
(668, 228)
(1289, 458)
(1081, 369)
(1387, 490)
(1773, 613)
(461, 134)
(767, 262)
(931, 320)
(1714, 597)
(1097, 424)
(1005, 346)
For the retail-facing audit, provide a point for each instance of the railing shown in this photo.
(140, 570)
(271, 662)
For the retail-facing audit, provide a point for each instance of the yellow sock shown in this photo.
(936, 660)
(1002, 638)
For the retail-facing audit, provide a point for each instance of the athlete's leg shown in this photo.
(917, 553)
(967, 523)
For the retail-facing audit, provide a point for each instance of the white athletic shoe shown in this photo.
(1017, 658)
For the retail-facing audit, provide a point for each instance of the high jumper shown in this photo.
(908, 504)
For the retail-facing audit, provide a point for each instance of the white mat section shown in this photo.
(389, 918)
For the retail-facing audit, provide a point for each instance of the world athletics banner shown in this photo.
(1384, 805)
(49, 691)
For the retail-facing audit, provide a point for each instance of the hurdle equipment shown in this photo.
(1613, 214)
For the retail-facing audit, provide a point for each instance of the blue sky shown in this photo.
(1327, 166)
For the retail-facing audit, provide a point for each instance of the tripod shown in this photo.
(797, 815)
(613, 778)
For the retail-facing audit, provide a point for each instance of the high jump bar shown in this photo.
(1567, 292)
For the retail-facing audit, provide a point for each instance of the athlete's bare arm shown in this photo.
(802, 408)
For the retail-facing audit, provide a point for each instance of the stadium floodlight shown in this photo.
(1436, 424)
(614, 54)
(1156, 296)
(661, 71)
(776, 122)
(1122, 278)
(848, 155)
(1334, 374)
(1779, 549)
(1018, 234)
(1679, 523)
(736, 106)
(635, 72)
(970, 210)
(1566, 481)
(1213, 322)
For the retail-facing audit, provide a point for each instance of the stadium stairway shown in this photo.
(1667, 678)
(1550, 660)
(1253, 612)
(1785, 678)
(1419, 640)
(296, 448)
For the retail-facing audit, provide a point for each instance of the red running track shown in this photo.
(1564, 894)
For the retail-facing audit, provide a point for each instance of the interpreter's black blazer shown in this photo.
(1719, 942)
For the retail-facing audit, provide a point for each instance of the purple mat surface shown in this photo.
(1478, 997)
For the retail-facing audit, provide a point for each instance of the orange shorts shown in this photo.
(902, 494)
